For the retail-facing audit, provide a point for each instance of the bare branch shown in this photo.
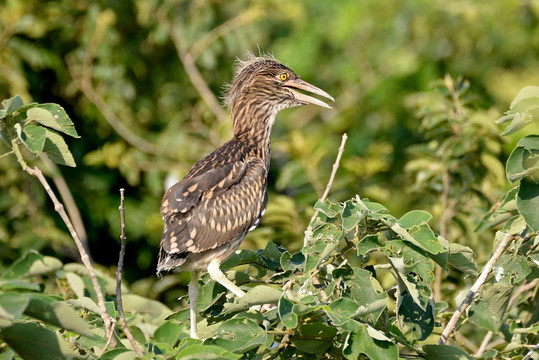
(119, 279)
(309, 231)
(59, 208)
(193, 73)
(475, 288)
(67, 198)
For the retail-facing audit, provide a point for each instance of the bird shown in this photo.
(223, 196)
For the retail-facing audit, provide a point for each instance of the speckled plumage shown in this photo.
(208, 213)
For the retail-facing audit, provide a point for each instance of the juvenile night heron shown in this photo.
(208, 213)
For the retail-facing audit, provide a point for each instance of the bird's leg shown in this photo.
(217, 275)
(193, 292)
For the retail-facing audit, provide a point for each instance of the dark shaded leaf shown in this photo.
(57, 150)
(528, 203)
(444, 352)
(32, 341)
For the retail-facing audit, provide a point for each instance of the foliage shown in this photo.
(326, 300)
(139, 78)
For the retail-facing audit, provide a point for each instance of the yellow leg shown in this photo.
(217, 275)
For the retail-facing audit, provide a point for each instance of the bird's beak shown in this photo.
(306, 99)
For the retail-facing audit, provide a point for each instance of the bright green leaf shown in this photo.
(239, 335)
(360, 342)
(206, 352)
(414, 218)
(53, 116)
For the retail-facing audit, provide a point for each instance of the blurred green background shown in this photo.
(142, 82)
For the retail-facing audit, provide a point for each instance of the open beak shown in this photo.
(306, 99)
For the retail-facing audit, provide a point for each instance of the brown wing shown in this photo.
(208, 210)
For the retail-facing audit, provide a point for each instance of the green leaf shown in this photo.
(462, 258)
(145, 306)
(33, 138)
(528, 203)
(361, 342)
(292, 262)
(351, 215)
(12, 305)
(168, 333)
(206, 352)
(524, 160)
(497, 296)
(289, 319)
(365, 290)
(479, 314)
(52, 116)
(57, 313)
(239, 335)
(240, 257)
(7, 285)
(416, 322)
(524, 109)
(414, 218)
(57, 150)
(444, 352)
(32, 341)
(511, 269)
(328, 208)
(32, 264)
(11, 105)
(119, 354)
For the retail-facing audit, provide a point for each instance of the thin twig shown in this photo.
(69, 201)
(309, 231)
(475, 288)
(119, 279)
(6, 154)
(110, 338)
(59, 208)
(194, 75)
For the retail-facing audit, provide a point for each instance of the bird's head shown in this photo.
(264, 84)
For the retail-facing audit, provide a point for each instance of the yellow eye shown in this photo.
(284, 76)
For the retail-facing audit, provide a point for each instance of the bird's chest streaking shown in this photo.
(209, 212)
